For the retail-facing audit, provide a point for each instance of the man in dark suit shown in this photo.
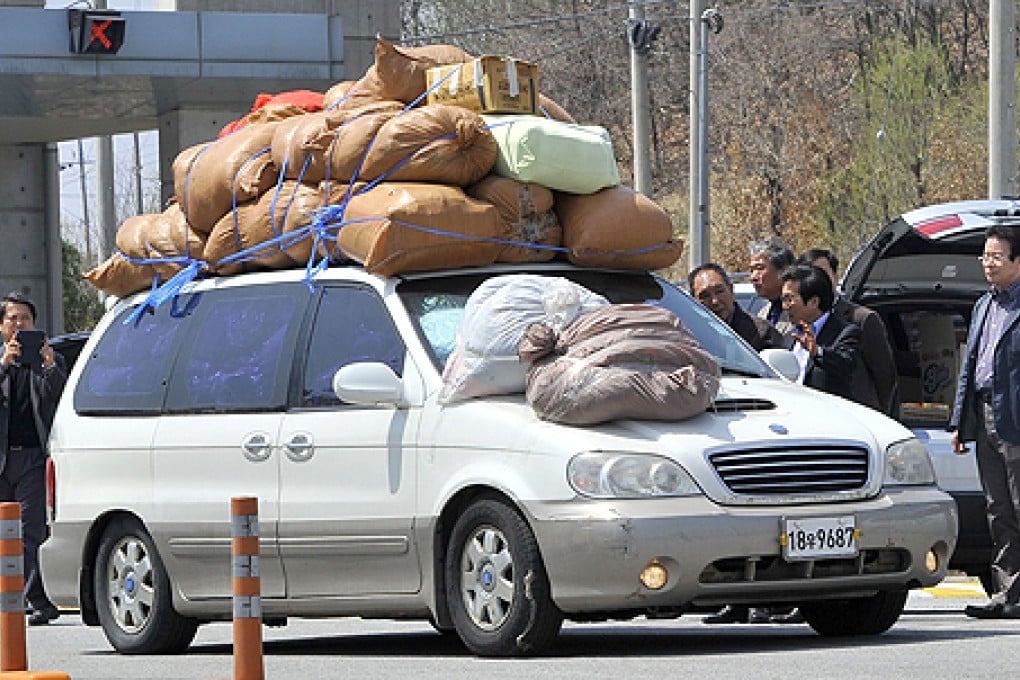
(875, 382)
(712, 287)
(826, 347)
(987, 411)
(30, 391)
(768, 260)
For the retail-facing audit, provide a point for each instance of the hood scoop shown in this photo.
(730, 405)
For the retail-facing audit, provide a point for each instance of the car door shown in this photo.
(347, 486)
(218, 436)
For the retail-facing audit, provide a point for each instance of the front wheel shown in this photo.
(866, 616)
(496, 585)
(133, 594)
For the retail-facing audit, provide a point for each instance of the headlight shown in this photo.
(614, 474)
(907, 462)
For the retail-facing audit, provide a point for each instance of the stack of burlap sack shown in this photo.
(358, 173)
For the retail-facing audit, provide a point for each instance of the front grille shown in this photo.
(786, 471)
(772, 568)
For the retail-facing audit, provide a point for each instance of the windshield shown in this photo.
(436, 306)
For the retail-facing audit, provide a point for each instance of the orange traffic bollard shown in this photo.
(244, 540)
(13, 652)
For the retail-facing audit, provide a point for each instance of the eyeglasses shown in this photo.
(993, 258)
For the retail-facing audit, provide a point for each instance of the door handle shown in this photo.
(299, 447)
(257, 447)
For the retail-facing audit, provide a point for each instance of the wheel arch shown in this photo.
(453, 508)
(90, 549)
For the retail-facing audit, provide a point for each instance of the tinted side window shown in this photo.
(239, 352)
(351, 324)
(128, 370)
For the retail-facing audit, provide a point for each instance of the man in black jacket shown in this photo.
(712, 287)
(30, 391)
(875, 381)
(826, 347)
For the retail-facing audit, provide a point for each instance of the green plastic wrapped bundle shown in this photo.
(577, 159)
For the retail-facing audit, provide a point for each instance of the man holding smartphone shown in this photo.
(32, 377)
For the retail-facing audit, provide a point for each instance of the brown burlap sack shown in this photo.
(550, 109)
(336, 139)
(280, 211)
(441, 144)
(209, 177)
(337, 93)
(162, 236)
(399, 72)
(117, 276)
(616, 227)
(620, 361)
(387, 229)
(525, 210)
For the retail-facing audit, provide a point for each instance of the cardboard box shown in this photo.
(487, 85)
(940, 360)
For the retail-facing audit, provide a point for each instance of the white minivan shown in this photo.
(376, 500)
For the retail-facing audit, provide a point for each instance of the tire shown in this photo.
(867, 616)
(133, 597)
(496, 586)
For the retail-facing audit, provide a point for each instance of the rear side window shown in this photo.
(128, 370)
(239, 352)
(351, 324)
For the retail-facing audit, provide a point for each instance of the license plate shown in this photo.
(813, 538)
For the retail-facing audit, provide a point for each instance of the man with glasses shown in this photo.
(987, 411)
(712, 287)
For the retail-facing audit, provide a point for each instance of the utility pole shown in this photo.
(139, 198)
(701, 21)
(104, 189)
(1002, 135)
(85, 204)
(641, 36)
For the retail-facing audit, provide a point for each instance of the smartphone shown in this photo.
(31, 342)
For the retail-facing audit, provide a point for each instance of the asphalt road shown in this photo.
(932, 640)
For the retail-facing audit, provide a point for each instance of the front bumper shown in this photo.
(594, 551)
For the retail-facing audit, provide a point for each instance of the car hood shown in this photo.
(748, 413)
(928, 253)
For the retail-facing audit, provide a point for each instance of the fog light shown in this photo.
(654, 576)
(931, 561)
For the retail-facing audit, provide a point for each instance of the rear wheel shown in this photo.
(867, 616)
(497, 588)
(133, 597)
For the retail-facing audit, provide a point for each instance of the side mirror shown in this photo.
(782, 362)
(369, 382)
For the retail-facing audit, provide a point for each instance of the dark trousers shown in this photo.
(999, 468)
(24, 480)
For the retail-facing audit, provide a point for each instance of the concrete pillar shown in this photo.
(24, 259)
(180, 129)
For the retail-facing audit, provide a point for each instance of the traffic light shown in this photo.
(95, 31)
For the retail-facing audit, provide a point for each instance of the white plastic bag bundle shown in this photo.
(496, 316)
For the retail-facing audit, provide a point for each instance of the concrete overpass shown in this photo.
(186, 69)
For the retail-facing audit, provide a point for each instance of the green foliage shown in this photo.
(82, 306)
(900, 102)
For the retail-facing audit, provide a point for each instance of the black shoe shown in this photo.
(993, 610)
(42, 617)
(728, 614)
(793, 617)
